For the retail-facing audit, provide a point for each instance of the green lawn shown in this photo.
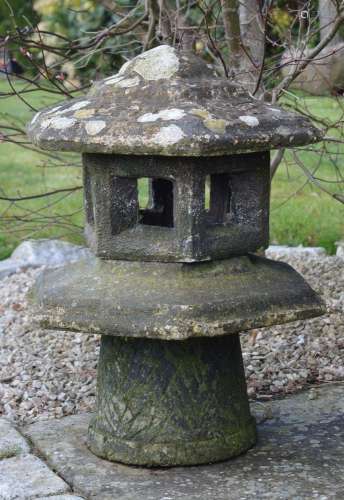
(300, 212)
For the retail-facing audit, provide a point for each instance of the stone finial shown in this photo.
(170, 103)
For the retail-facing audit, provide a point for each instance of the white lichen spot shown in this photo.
(164, 114)
(34, 119)
(58, 123)
(95, 126)
(111, 80)
(251, 121)
(124, 67)
(156, 64)
(76, 106)
(128, 82)
(168, 135)
(148, 117)
(53, 110)
(283, 130)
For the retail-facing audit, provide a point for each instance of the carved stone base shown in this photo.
(165, 403)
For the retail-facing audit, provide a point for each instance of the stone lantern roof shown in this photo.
(171, 103)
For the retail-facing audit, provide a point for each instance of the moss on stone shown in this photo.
(216, 125)
(171, 403)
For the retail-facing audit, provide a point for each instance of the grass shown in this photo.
(300, 212)
(26, 172)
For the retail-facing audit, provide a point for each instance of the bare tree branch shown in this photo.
(303, 63)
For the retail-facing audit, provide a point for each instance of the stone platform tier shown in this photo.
(172, 301)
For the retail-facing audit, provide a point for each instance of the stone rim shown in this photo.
(165, 454)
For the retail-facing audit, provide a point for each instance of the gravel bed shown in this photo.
(51, 374)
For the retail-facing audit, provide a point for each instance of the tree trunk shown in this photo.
(253, 37)
(231, 21)
(327, 16)
(245, 40)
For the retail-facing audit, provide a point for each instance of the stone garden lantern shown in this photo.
(173, 282)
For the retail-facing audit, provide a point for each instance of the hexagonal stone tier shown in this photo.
(180, 223)
(171, 300)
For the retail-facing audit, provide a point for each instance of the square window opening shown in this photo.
(218, 197)
(156, 200)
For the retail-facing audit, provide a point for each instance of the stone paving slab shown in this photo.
(27, 477)
(300, 455)
(11, 442)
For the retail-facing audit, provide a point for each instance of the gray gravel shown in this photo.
(286, 358)
(43, 374)
(51, 374)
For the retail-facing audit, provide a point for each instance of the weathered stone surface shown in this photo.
(12, 443)
(194, 113)
(172, 301)
(45, 252)
(299, 455)
(176, 226)
(285, 251)
(42, 252)
(27, 477)
(340, 249)
(171, 403)
(8, 267)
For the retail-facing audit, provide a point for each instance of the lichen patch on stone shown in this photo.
(73, 107)
(201, 113)
(93, 127)
(123, 68)
(55, 109)
(76, 106)
(218, 126)
(284, 131)
(156, 64)
(35, 117)
(111, 80)
(58, 123)
(168, 135)
(128, 82)
(251, 121)
(164, 114)
(84, 113)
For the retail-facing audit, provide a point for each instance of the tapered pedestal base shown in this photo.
(165, 403)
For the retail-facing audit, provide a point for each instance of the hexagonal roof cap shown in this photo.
(166, 102)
